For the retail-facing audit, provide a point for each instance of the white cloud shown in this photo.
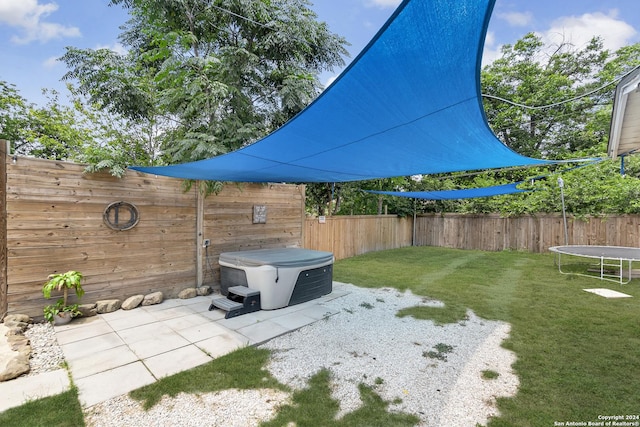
(517, 19)
(491, 51)
(28, 15)
(116, 47)
(578, 30)
(51, 62)
(383, 3)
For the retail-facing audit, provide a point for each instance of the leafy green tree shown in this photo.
(220, 74)
(51, 131)
(116, 142)
(73, 130)
(569, 89)
(13, 113)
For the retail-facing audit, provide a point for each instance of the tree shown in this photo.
(220, 74)
(73, 130)
(575, 85)
(13, 112)
(51, 132)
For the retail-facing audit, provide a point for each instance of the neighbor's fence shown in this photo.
(348, 236)
(53, 221)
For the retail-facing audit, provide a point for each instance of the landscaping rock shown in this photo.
(16, 324)
(187, 293)
(203, 290)
(17, 318)
(153, 298)
(132, 302)
(14, 330)
(14, 367)
(87, 310)
(17, 342)
(14, 353)
(108, 306)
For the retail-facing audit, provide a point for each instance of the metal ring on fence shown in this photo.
(114, 218)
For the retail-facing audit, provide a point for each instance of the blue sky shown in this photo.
(33, 33)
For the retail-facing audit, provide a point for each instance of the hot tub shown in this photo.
(284, 276)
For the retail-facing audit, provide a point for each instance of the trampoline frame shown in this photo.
(609, 257)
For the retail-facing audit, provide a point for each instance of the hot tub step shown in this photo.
(225, 304)
(243, 291)
(240, 300)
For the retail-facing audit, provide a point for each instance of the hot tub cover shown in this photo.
(280, 257)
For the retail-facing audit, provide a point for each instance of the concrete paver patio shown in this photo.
(112, 354)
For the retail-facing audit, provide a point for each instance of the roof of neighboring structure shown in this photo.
(624, 136)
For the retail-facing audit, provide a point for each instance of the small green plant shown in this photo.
(52, 310)
(489, 374)
(443, 348)
(366, 305)
(440, 352)
(62, 282)
(378, 381)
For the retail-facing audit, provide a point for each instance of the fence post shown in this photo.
(4, 286)
(199, 233)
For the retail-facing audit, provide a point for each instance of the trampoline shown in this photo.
(613, 261)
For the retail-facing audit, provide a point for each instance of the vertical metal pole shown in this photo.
(413, 237)
(564, 213)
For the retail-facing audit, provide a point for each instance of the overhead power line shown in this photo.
(555, 104)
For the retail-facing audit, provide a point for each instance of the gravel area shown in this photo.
(436, 371)
(46, 354)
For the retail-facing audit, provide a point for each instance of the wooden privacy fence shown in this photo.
(53, 221)
(532, 233)
(348, 236)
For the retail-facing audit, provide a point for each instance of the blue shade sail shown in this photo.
(467, 193)
(409, 104)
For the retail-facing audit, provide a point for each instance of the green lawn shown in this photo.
(578, 353)
(62, 410)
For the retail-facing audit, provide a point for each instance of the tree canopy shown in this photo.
(220, 74)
